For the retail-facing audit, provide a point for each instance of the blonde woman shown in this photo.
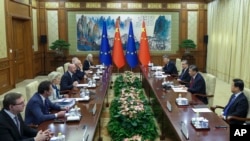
(88, 62)
(55, 79)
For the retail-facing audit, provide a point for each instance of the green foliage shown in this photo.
(187, 43)
(121, 126)
(60, 45)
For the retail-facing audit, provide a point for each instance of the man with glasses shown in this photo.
(39, 106)
(12, 127)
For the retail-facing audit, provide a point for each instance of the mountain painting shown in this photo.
(89, 30)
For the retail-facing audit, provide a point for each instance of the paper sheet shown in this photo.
(201, 110)
(179, 90)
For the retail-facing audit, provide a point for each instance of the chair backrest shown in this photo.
(31, 88)
(210, 86)
(247, 93)
(60, 69)
(1, 102)
(65, 66)
(178, 65)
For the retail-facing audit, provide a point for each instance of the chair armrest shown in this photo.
(33, 126)
(213, 108)
(64, 92)
(237, 118)
(203, 95)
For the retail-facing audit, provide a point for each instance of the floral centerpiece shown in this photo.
(131, 117)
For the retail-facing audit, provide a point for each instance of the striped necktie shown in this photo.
(17, 123)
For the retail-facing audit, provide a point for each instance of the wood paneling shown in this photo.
(19, 10)
(5, 78)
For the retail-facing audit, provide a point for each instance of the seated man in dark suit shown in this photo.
(88, 62)
(39, 106)
(169, 67)
(197, 84)
(79, 70)
(69, 79)
(184, 78)
(237, 104)
(12, 127)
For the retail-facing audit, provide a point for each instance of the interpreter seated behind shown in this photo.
(88, 62)
(169, 67)
(12, 127)
(69, 79)
(39, 106)
(237, 104)
(197, 83)
(184, 77)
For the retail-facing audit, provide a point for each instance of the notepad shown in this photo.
(179, 90)
(73, 118)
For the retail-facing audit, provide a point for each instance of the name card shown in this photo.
(169, 106)
(184, 130)
(94, 109)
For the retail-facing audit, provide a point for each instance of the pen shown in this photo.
(220, 126)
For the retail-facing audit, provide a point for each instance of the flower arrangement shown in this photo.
(131, 116)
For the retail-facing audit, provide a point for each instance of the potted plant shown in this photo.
(60, 46)
(187, 44)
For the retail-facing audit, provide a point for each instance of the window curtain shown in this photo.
(228, 53)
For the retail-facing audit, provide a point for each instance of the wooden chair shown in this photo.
(247, 119)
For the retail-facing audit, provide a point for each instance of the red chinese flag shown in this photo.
(144, 54)
(118, 56)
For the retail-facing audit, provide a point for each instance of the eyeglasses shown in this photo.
(21, 103)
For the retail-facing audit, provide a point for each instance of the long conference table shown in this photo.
(74, 130)
(180, 114)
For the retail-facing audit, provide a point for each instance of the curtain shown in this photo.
(229, 40)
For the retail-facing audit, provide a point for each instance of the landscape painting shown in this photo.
(89, 30)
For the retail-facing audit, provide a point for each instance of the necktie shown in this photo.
(17, 123)
(191, 82)
(46, 104)
(182, 73)
(229, 105)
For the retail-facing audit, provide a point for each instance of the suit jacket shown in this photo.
(198, 86)
(185, 77)
(86, 65)
(238, 108)
(79, 74)
(67, 81)
(36, 111)
(9, 131)
(170, 68)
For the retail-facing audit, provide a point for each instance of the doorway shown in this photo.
(19, 49)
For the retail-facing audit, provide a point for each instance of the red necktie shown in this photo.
(191, 82)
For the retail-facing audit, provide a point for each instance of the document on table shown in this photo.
(201, 110)
(179, 89)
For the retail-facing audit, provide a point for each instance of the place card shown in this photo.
(169, 106)
(94, 109)
(184, 130)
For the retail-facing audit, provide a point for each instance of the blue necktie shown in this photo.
(46, 104)
(229, 105)
(17, 123)
(182, 73)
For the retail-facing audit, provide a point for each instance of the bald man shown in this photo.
(69, 79)
(79, 70)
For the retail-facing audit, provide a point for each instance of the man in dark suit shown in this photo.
(169, 67)
(12, 127)
(184, 77)
(197, 84)
(39, 106)
(69, 79)
(237, 104)
(88, 62)
(79, 70)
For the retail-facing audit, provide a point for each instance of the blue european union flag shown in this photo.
(105, 55)
(131, 54)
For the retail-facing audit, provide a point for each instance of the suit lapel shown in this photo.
(11, 123)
